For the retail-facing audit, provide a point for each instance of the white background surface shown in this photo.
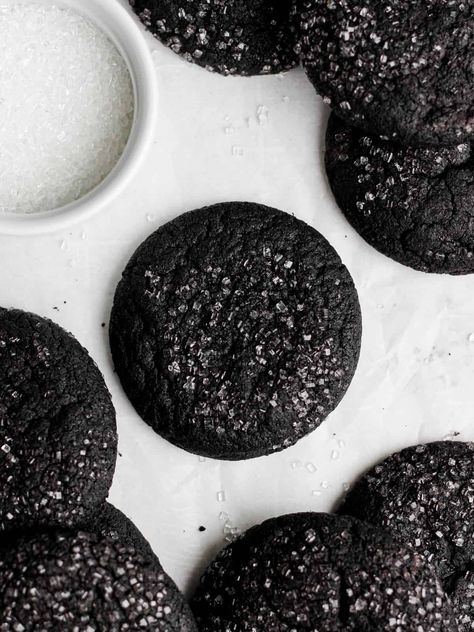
(415, 378)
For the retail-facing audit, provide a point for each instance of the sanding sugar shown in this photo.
(66, 107)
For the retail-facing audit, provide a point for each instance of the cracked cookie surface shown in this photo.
(402, 69)
(83, 581)
(425, 495)
(412, 205)
(235, 330)
(320, 572)
(58, 437)
(231, 37)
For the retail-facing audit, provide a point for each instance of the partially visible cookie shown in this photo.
(231, 37)
(425, 495)
(413, 205)
(235, 330)
(83, 581)
(462, 596)
(58, 437)
(109, 521)
(402, 69)
(320, 572)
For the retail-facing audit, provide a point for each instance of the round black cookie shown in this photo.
(425, 495)
(83, 581)
(462, 597)
(235, 330)
(112, 523)
(320, 572)
(413, 205)
(231, 37)
(402, 69)
(58, 437)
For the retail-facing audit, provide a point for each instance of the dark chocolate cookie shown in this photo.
(425, 495)
(111, 522)
(320, 572)
(235, 330)
(402, 69)
(58, 437)
(462, 596)
(82, 581)
(413, 205)
(232, 37)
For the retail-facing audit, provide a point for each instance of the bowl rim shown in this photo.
(119, 25)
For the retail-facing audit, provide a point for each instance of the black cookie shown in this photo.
(320, 572)
(112, 523)
(413, 205)
(232, 37)
(425, 494)
(58, 437)
(462, 596)
(65, 581)
(235, 330)
(403, 69)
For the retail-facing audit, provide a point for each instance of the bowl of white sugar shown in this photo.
(78, 102)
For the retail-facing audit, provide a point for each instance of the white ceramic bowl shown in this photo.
(114, 20)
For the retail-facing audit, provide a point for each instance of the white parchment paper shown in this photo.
(259, 139)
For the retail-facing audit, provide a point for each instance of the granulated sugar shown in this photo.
(66, 107)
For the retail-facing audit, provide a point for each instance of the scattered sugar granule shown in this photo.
(262, 114)
(66, 107)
